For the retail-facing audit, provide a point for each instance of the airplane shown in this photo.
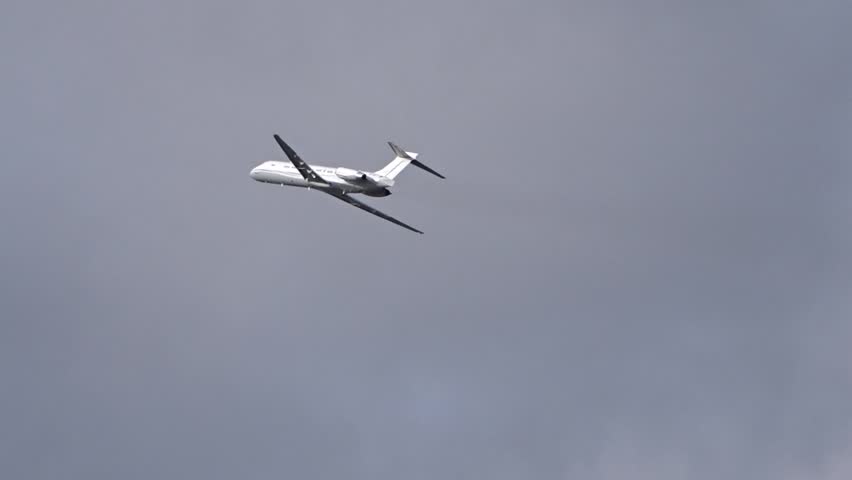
(339, 182)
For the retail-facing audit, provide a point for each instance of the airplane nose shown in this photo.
(253, 173)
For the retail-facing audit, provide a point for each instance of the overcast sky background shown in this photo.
(638, 266)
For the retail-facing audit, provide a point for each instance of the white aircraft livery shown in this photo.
(340, 182)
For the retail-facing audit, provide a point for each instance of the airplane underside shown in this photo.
(379, 192)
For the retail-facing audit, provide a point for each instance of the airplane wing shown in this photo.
(303, 168)
(363, 206)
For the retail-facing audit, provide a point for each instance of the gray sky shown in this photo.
(638, 266)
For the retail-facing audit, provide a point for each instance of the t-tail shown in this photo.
(402, 160)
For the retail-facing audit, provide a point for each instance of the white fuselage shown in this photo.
(340, 179)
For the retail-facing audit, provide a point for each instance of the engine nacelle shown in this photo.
(349, 174)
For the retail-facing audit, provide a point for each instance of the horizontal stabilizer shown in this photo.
(412, 157)
(401, 153)
(418, 163)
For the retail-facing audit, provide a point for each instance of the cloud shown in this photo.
(637, 265)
